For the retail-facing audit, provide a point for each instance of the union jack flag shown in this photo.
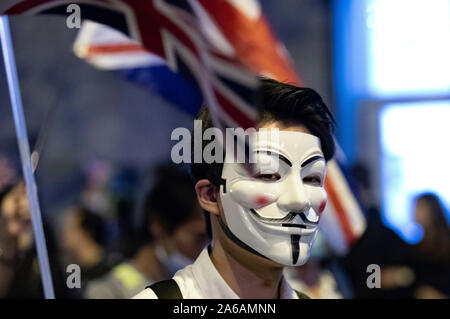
(218, 46)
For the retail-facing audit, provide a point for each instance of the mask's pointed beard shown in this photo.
(295, 244)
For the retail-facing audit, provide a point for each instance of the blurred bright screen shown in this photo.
(415, 152)
(408, 47)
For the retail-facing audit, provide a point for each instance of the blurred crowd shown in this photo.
(123, 244)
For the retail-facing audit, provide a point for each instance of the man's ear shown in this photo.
(207, 194)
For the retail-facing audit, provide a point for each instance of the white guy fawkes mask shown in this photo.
(275, 213)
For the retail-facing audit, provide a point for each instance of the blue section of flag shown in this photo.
(170, 85)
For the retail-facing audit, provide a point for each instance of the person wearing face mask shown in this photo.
(262, 221)
(172, 235)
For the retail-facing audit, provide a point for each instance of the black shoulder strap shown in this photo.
(301, 295)
(166, 289)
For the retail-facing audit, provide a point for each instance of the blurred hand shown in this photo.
(15, 219)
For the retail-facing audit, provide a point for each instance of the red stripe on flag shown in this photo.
(260, 51)
(115, 48)
(235, 113)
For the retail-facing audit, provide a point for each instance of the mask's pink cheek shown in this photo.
(322, 206)
(261, 200)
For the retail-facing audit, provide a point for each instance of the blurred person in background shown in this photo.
(123, 190)
(8, 175)
(430, 258)
(172, 234)
(378, 245)
(83, 242)
(95, 195)
(109, 191)
(19, 268)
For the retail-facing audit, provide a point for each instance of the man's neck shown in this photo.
(247, 276)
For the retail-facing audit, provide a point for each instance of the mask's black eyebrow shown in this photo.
(281, 157)
(312, 159)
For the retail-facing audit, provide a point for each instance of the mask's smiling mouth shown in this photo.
(286, 221)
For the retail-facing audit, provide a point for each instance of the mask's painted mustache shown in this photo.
(286, 219)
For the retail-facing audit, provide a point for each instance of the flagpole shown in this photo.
(24, 149)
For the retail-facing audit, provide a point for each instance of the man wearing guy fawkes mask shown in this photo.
(261, 222)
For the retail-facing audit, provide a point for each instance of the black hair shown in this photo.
(93, 224)
(171, 201)
(289, 104)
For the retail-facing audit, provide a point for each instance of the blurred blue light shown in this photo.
(408, 47)
(415, 157)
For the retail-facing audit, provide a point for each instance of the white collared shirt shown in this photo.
(201, 280)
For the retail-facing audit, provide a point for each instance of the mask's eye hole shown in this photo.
(268, 177)
(313, 180)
